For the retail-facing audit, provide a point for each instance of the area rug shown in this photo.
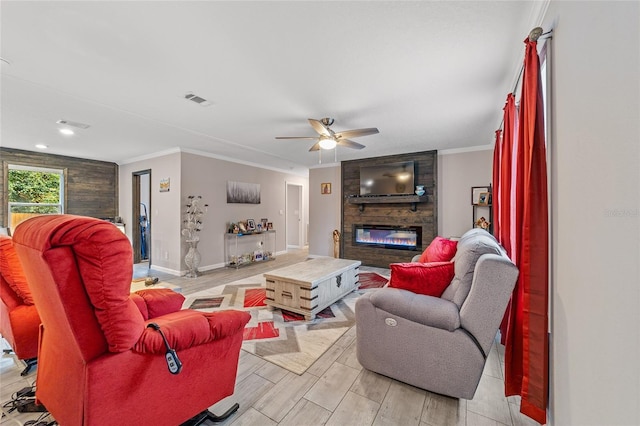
(281, 337)
(370, 280)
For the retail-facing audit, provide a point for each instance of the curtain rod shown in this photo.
(534, 35)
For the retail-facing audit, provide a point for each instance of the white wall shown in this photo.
(595, 145)
(325, 209)
(193, 174)
(165, 207)
(457, 173)
(208, 177)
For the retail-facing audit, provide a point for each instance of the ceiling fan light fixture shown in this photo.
(328, 143)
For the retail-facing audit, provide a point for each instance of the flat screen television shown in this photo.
(387, 179)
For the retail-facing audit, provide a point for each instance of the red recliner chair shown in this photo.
(102, 359)
(19, 319)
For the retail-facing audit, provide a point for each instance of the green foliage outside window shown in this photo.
(27, 186)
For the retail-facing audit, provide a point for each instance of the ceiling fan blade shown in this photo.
(349, 144)
(356, 133)
(296, 137)
(315, 147)
(320, 128)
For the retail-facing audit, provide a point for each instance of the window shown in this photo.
(33, 191)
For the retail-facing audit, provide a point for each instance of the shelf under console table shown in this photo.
(246, 248)
(413, 200)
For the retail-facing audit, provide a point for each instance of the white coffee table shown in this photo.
(308, 287)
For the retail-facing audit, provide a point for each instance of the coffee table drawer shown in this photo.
(290, 294)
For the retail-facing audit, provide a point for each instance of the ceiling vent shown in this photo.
(73, 124)
(197, 99)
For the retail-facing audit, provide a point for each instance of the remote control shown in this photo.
(173, 362)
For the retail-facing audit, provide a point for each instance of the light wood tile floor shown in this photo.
(335, 390)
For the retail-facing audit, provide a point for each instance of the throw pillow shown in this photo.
(440, 250)
(422, 278)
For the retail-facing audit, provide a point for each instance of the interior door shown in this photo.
(141, 216)
(294, 216)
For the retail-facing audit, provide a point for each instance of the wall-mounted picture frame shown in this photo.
(475, 194)
(243, 193)
(165, 185)
(484, 199)
(325, 188)
(251, 225)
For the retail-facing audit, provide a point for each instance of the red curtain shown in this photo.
(502, 196)
(497, 155)
(526, 339)
(506, 166)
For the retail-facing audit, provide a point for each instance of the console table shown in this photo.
(247, 248)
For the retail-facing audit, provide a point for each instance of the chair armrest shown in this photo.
(422, 309)
(156, 302)
(188, 328)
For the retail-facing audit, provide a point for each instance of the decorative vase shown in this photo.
(420, 190)
(192, 259)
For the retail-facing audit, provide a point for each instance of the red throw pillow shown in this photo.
(440, 250)
(422, 278)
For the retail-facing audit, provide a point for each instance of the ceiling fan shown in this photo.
(328, 139)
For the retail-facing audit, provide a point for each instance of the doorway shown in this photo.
(293, 217)
(141, 216)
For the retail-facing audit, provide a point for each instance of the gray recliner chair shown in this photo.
(439, 344)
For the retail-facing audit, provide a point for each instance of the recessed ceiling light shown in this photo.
(68, 132)
(42, 146)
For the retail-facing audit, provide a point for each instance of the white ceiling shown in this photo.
(427, 74)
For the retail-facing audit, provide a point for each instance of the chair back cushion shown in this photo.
(471, 246)
(11, 270)
(89, 262)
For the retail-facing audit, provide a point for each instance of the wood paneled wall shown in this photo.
(91, 187)
(400, 214)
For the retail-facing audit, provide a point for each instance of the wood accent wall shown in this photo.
(396, 214)
(91, 186)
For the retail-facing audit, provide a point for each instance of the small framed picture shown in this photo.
(325, 188)
(269, 225)
(251, 225)
(264, 222)
(475, 194)
(484, 199)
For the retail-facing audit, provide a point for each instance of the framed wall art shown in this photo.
(475, 194)
(243, 193)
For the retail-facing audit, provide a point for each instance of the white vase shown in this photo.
(192, 259)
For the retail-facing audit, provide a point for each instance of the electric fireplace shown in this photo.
(387, 236)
